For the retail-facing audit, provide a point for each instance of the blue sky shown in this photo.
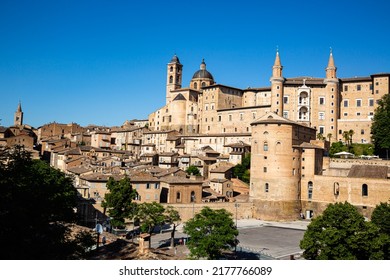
(103, 62)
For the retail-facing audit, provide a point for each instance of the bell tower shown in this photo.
(18, 116)
(174, 77)
(277, 81)
(332, 95)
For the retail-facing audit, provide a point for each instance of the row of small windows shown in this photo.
(359, 102)
(359, 87)
(336, 189)
(149, 186)
(241, 117)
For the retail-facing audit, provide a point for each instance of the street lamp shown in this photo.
(236, 205)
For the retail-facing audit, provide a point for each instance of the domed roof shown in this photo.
(203, 73)
(175, 59)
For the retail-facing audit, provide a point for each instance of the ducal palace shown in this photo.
(290, 172)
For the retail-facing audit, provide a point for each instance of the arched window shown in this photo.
(336, 188)
(192, 196)
(364, 190)
(170, 79)
(266, 187)
(278, 147)
(178, 197)
(203, 84)
(265, 146)
(195, 85)
(310, 190)
(171, 69)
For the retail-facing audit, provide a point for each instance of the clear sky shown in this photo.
(103, 62)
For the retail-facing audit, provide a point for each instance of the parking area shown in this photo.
(271, 241)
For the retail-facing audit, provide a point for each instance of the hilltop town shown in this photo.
(286, 129)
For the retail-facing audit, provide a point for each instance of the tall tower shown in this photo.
(332, 97)
(174, 77)
(18, 116)
(277, 81)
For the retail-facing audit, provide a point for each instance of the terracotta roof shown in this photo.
(368, 171)
(181, 180)
(222, 167)
(79, 169)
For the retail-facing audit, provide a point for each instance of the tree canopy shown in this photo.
(118, 201)
(172, 217)
(380, 128)
(193, 170)
(341, 233)
(242, 171)
(37, 203)
(211, 232)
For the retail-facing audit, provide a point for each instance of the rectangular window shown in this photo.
(147, 186)
(358, 87)
(219, 118)
(156, 186)
(370, 102)
(266, 187)
(371, 87)
(322, 100)
(285, 114)
(345, 88)
(241, 116)
(230, 117)
(321, 115)
(321, 130)
(346, 103)
(358, 103)
(362, 131)
(265, 169)
(254, 115)
(285, 99)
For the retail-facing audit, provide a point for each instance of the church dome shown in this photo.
(202, 73)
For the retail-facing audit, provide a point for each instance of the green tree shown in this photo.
(341, 233)
(380, 129)
(381, 217)
(336, 147)
(320, 136)
(118, 201)
(173, 218)
(211, 232)
(329, 136)
(192, 169)
(150, 215)
(241, 171)
(37, 205)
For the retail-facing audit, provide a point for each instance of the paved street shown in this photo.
(276, 240)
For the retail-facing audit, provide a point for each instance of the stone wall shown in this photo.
(242, 211)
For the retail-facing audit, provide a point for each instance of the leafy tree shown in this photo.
(320, 136)
(380, 128)
(150, 215)
(336, 147)
(341, 233)
(118, 201)
(172, 217)
(211, 232)
(381, 217)
(329, 136)
(241, 171)
(192, 169)
(37, 205)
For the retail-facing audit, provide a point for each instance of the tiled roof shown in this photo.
(368, 171)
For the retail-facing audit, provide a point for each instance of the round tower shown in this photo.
(275, 157)
(332, 94)
(174, 77)
(277, 81)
